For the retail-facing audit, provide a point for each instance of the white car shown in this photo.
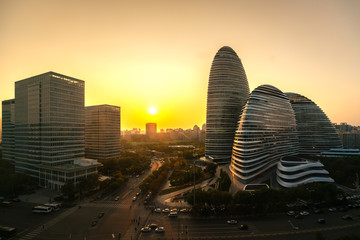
(184, 210)
(304, 213)
(160, 230)
(157, 210)
(290, 213)
(232, 221)
(166, 210)
(145, 229)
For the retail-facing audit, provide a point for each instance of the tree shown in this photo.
(224, 181)
(68, 190)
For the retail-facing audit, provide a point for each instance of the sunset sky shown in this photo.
(143, 54)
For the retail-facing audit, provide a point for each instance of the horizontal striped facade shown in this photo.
(293, 171)
(315, 131)
(266, 132)
(228, 91)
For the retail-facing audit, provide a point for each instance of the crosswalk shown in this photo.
(38, 230)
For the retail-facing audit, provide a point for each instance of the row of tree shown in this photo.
(154, 181)
(263, 200)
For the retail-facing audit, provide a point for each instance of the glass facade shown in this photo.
(8, 126)
(49, 126)
(266, 132)
(102, 132)
(315, 131)
(228, 91)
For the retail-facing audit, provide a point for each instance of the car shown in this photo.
(145, 229)
(117, 198)
(137, 194)
(347, 217)
(332, 209)
(232, 221)
(134, 199)
(152, 226)
(174, 210)
(93, 223)
(317, 210)
(243, 227)
(304, 213)
(184, 210)
(157, 210)
(101, 215)
(173, 214)
(290, 213)
(166, 210)
(321, 220)
(160, 230)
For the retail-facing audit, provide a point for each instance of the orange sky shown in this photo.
(138, 54)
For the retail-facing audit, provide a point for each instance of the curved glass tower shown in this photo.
(315, 131)
(228, 91)
(293, 171)
(266, 132)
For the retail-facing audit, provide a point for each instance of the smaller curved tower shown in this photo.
(293, 171)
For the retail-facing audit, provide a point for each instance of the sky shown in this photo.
(143, 54)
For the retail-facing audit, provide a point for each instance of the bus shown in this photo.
(41, 209)
(54, 206)
(7, 232)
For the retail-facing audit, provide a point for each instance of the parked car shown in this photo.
(152, 226)
(101, 215)
(160, 230)
(304, 213)
(232, 221)
(244, 227)
(321, 220)
(145, 229)
(157, 210)
(117, 198)
(184, 210)
(93, 223)
(166, 210)
(290, 213)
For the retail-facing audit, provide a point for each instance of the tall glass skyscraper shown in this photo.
(228, 91)
(315, 131)
(266, 132)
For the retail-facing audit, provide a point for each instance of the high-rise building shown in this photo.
(151, 130)
(49, 130)
(266, 132)
(227, 93)
(8, 126)
(315, 131)
(102, 132)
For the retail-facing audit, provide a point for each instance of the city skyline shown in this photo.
(139, 55)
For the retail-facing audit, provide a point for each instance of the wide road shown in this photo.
(76, 223)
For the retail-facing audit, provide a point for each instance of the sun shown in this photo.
(152, 110)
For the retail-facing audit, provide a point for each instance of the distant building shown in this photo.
(102, 132)
(48, 135)
(339, 152)
(350, 139)
(151, 130)
(228, 91)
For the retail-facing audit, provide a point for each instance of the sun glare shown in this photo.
(152, 111)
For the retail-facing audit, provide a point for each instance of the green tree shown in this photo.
(224, 181)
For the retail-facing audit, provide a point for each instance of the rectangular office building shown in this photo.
(102, 132)
(49, 130)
